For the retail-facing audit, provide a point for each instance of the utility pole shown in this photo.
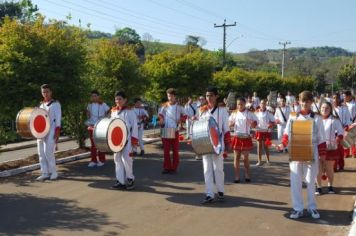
(224, 38)
(284, 51)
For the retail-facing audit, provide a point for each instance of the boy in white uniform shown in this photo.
(47, 145)
(281, 117)
(123, 160)
(213, 164)
(307, 171)
(95, 111)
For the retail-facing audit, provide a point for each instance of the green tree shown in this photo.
(346, 76)
(32, 54)
(23, 10)
(190, 73)
(115, 67)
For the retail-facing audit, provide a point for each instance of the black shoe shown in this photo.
(134, 154)
(142, 153)
(165, 171)
(318, 191)
(221, 196)
(173, 172)
(331, 190)
(118, 185)
(207, 200)
(247, 180)
(236, 181)
(130, 184)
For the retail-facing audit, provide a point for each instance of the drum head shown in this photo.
(215, 135)
(117, 135)
(39, 123)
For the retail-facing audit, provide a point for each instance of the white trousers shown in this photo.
(213, 170)
(280, 131)
(140, 138)
(46, 148)
(188, 127)
(298, 172)
(124, 164)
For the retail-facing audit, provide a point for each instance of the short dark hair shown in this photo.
(120, 94)
(137, 100)
(46, 86)
(348, 93)
(212, 89)
(95, 92)
(306, 96)
(171, 91)
(241, 99)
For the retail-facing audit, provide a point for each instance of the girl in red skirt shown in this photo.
(263, 134)
(242, 120)
(334, 134)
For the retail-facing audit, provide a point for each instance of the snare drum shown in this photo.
(169, 133)
(301, 142)
(110, 135)
(206, 137)
(32, 122)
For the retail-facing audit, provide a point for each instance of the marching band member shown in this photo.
(342, 113)
(191, 109)
(308, 171)
(213, 164)
(351, 105)
(255, 100)
(47, 145)
(250, 104)
(290, 100)
(95, 110)
(316, 105)
(123, 160)
(170, 115)
(265, 122)
(281, 117)
(242, 120)
(142, 116)
(333, 134)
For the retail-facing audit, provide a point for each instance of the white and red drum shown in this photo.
(110, 135)
(206, 137)
(350, 137)
(32, 122)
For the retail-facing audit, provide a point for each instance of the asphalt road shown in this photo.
(82, 203)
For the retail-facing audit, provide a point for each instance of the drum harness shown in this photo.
(48, 105)
(119, 112)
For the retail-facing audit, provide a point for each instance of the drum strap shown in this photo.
(50, 103)
(284, 117)
(317, 107)
(194, 111)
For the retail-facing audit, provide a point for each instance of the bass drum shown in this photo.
(32, 122)
(206, 137)
(110, 135)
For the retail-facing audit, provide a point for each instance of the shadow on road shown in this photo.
(32, 215)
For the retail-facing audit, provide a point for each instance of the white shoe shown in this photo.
(296, 214)
(258, 164)
(314, 213)
(42, 177)
(198, 158)
(100, 164)
(53, 176)
(92, 164)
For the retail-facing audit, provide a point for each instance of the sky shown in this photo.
(260, 24)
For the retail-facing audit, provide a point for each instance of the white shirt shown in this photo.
(191, 109)
(343, 114)
(97, 111)
(290, 100)
(129, 117)
(242, 121)
(352, 108)
(278, 115)
(332, 129)
(256, 101)
(171, 115)
(53, 108)
(140, 113)
(264, 119)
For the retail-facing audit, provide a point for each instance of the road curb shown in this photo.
(8, 149)
(7, 173)
(353, 223)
